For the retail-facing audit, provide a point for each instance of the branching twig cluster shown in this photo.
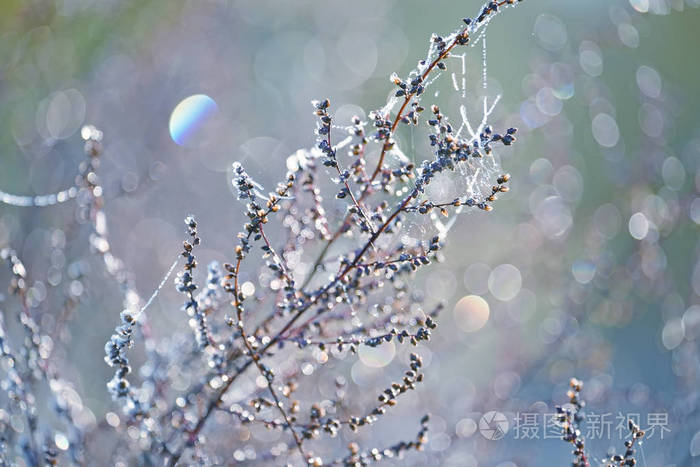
(283, 319)
(571, 418)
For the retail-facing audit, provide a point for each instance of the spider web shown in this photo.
(472, 178)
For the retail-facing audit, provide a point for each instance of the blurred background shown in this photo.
(588, 267)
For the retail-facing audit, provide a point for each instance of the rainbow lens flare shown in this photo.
(190, 117)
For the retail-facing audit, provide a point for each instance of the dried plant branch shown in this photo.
(297, 322)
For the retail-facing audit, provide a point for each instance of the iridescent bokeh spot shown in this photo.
(190, 117)
(471, 313)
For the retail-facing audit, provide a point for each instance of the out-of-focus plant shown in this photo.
(570, 418)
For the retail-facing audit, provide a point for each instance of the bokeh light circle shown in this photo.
(505, 282)
(465, 428)
(190, 117)
(471, 313)
(695, 444)
(377, 357)
(605, 130)
(649, 81)
(583, 271)
(638, 226)
(641, 6)
(672, 333)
